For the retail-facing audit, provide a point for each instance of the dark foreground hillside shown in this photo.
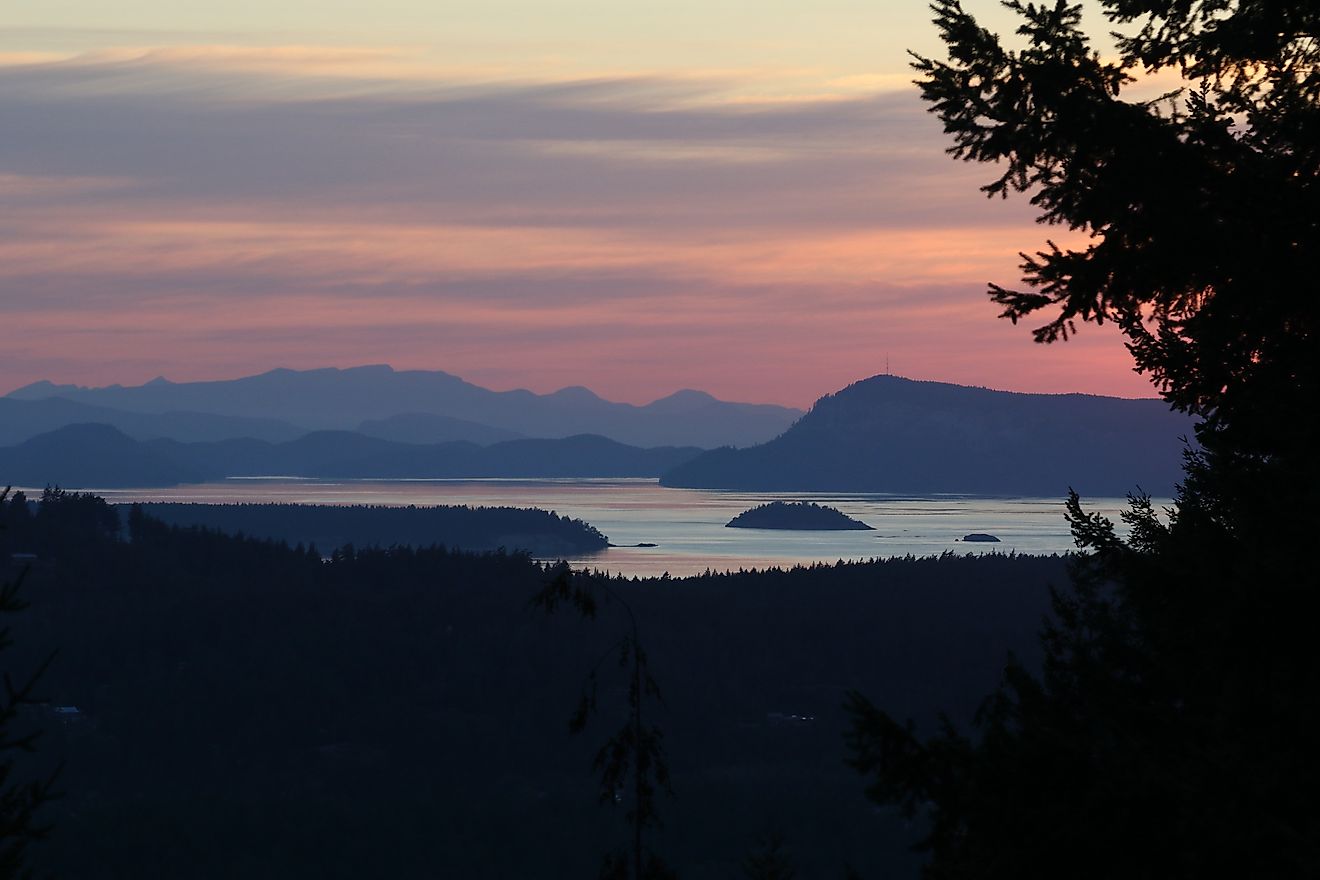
(247, 710)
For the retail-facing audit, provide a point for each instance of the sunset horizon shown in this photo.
(399, 397)
(764, 213)
(543, 389)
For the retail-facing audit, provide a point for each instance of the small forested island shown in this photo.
(799, 515)
(980, 538)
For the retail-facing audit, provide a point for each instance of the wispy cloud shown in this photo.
(223, 206)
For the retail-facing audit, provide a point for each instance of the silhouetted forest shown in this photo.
(247, 709)
(540, 532)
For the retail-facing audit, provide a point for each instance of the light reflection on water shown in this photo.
(688, 525)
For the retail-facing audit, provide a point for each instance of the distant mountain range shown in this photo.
(889, 434)
(100, 456)
(404, 405)
(883, 434)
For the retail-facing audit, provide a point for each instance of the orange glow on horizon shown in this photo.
(216, 211)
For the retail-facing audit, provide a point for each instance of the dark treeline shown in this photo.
(247, 709)
(543, 533)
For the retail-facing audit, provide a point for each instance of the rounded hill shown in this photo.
(796, 515)
(894, 435)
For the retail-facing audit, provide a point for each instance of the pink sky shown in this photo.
(201, 215)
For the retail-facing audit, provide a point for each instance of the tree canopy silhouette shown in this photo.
(1162, 736)
(632, 762)
(1200, 207)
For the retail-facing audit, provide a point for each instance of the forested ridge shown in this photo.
(248, 709)
(541, 532)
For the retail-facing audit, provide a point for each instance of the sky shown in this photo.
(746, 198)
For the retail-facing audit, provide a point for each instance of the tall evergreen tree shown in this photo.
(1165, 735)
(631, 763)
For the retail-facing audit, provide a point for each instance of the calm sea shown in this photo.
(687, 525)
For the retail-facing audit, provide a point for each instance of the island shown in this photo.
(796, 515)
(981, 537)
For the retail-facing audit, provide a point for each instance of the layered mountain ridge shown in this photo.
(371, 399)
(100, 456)
(885, 434)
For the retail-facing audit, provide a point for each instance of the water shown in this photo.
(688, 525)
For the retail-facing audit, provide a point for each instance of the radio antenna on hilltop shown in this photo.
(886, 363)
